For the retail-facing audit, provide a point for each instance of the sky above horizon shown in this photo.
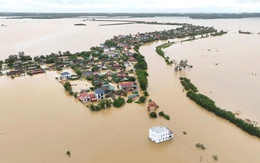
(131, 6)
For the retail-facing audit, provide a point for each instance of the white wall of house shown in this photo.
(64, 77)
(99, 96)
(86, 99)
(112, 48)
(160, 133)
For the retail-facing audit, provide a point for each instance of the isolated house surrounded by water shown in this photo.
(160, 133)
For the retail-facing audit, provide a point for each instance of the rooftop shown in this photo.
(65, 73)
(99, 91)
(126, 84)
(159, 129)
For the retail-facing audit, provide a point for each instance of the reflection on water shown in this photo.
(39, 122)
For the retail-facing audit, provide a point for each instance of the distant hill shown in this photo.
(127, 15)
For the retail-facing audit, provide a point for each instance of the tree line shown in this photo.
(161, 53)
(208, 104)
(141, 67)
(188, 85)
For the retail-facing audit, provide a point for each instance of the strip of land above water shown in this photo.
(129, 15)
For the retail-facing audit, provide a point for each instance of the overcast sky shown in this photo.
(144, 6)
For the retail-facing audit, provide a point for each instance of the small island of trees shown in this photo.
(245, 32)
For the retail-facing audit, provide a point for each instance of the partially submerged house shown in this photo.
(152, 105)
(99, 93)
(127, 86)
(86, 97)
(160, 133)
(64, 76)
(108, 88)
(87, 74)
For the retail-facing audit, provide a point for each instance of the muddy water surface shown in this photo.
(39, 122)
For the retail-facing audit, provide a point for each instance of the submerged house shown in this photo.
(92, 97)
(87, 74)
(87, 97)
(160, 133)
(108, 88)
(127, 86)
(64, 76)
(84, 97)
(99, 93)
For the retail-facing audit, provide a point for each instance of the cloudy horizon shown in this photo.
(133, 6)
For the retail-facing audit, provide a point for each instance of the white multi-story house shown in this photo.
(160, 133)
(65, 76)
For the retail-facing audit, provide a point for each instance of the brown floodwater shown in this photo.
(42, 37)
(39, 122)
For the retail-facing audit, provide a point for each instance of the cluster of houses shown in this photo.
(123, 43)
(20, 68)
(105, 90)
(111, 62)
(108, 90)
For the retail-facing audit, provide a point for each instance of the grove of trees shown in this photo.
(208, 104)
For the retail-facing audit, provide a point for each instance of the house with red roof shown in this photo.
(127, 86)
(92, 97)
(131, 59)
(121, 75)
(86, 97)
(126, 48)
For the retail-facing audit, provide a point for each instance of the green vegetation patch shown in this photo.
(201, 146)
(141, 67)
(188, 85)
(102, 104)
(67, 86)
(161, 53)
(153, 115)
(209, 105)
(119, 102)
(161, 113)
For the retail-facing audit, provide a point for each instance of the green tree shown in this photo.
(161, 113)
(67, 86)
(153, 115)
(131, 78)
(119, 102)
(143, 81)
(110, 43)
(146, 93)
(130, 100)
(142, 99)
(108, 103)
(141, 64)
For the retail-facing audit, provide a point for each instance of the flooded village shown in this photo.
(63, 113)
(110, 70)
